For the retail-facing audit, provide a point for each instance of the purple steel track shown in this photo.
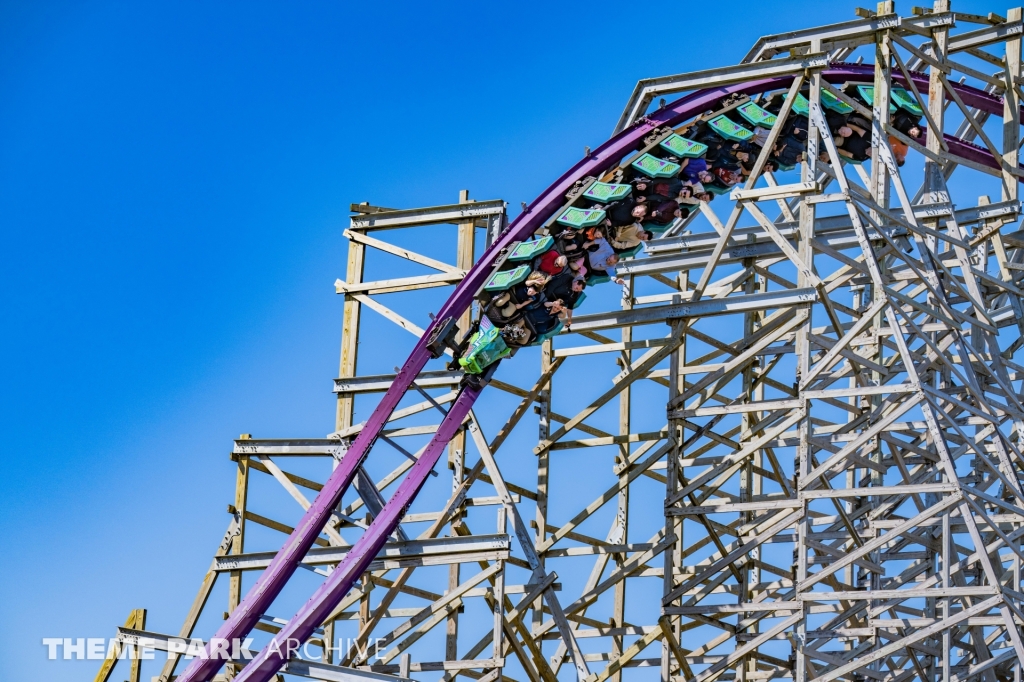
(273, 579)
(266, 664)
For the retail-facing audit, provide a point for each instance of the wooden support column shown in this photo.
(135, 670)
(238, 541)
(350, 334)
(808, 173)
(498, 626)
(880, 111)
(1010, 192)
(750, 481)
(933, 178)
(345, 415)
(464, 259)
(947, 642)
(671, 486)
(543, 409)
(136, 620)
(1011, 110)
(935, 191)
(672, 557)
(622, 512)
(880, 193)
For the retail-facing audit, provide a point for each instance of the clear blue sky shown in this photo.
(174, 179)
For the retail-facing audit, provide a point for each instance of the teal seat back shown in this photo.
(830, 101)
(525, 251)
(682, 147)
(541, 338)
(657, 229)
(756, 115)
(605, 192)
(580, 217)
(868, 93)
(800, 105)
(653, 167)
(729, 129)
(629, 253)
(505, 279)
(906, 101)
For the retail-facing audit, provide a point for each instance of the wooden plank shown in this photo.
(350, 334)
(903, 642)
(526, 544)
(135, 619)
(645, 363)
(329, 529)
(385, 286)
(414, 217)
(401, 252)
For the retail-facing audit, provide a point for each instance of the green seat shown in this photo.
(868, 93)
(485, 348)
(717, 190)
(579, 301)
(906, 101)
(800, 105)
(855, 162)
(786, 168)
(830, 101)
(656, 229)
(504, 279)
(730, 130)
(581, 217)
(541, 338)
(629, 253)
(605, 192)
(756, 115)
(654, 167)
(594, 280)
(529, 249)
(683, 148)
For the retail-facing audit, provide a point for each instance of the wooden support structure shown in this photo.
(834, 490)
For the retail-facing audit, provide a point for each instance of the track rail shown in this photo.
(270, 583)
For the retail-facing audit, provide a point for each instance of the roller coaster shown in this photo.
(841, 483)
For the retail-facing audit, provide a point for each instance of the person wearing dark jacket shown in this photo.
(570, 242)
(625, 211)
(834, 119)
(664, 189)
(796, 127)
(566, 288)
(856, 146)
(907, 123)
(789, 151)
(665, 213)
(545, 317)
